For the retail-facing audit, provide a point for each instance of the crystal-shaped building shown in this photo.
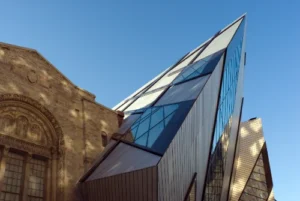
(181, 138)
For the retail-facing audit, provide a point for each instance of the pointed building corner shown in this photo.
(252, 178)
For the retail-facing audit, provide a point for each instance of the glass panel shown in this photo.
(143, 127)
(12, 177)
(154, 124)
(210, 66)
(154, 133)
(184, 63)
(36, 178)
(142, 140)
(134, 131)
(226, 99)
(168, 119)
(146, 113)
(182, 92)
(200, 68)
(170, 108)
(157, 117)
(128, 122)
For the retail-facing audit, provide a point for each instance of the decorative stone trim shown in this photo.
(25, 146)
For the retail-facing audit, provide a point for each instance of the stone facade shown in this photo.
(44, 114)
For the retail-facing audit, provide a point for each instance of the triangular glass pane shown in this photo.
(209, 68)
(135, 124)
(154, 133)
(199, 66)
(142, 140)
(194, 74)
(221, 41)
(168, 119)
(143, 127)
(146, 113)
(154, 109)
(184, 74)
(178, 79)
(170, 108)
(156, 117)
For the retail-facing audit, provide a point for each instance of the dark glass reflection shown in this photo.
(151, 124)
(157, 126)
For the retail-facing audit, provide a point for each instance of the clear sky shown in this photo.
(112, 48)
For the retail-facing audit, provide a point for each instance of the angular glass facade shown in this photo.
(162, 110)
(179, 138)
(199, 68)
(225, 111)
(157, 125)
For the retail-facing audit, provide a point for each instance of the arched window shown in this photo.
(30, 151)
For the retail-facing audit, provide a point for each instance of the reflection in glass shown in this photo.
(152, 122)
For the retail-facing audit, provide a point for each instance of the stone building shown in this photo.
(50, 129)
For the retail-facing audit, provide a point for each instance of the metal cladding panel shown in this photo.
(250, 144)
(189, 150)
(235, 125)
(220, 42)
(140, 185)
(124, 158)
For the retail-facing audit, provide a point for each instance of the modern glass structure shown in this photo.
(180, 136)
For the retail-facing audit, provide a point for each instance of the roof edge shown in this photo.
(39, 54)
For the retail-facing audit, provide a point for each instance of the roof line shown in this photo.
(39, 54)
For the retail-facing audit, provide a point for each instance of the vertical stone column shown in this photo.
(24, 189)
(5, 151)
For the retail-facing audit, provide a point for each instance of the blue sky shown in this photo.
(112, 48)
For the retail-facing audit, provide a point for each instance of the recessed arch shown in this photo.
(35, 108)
